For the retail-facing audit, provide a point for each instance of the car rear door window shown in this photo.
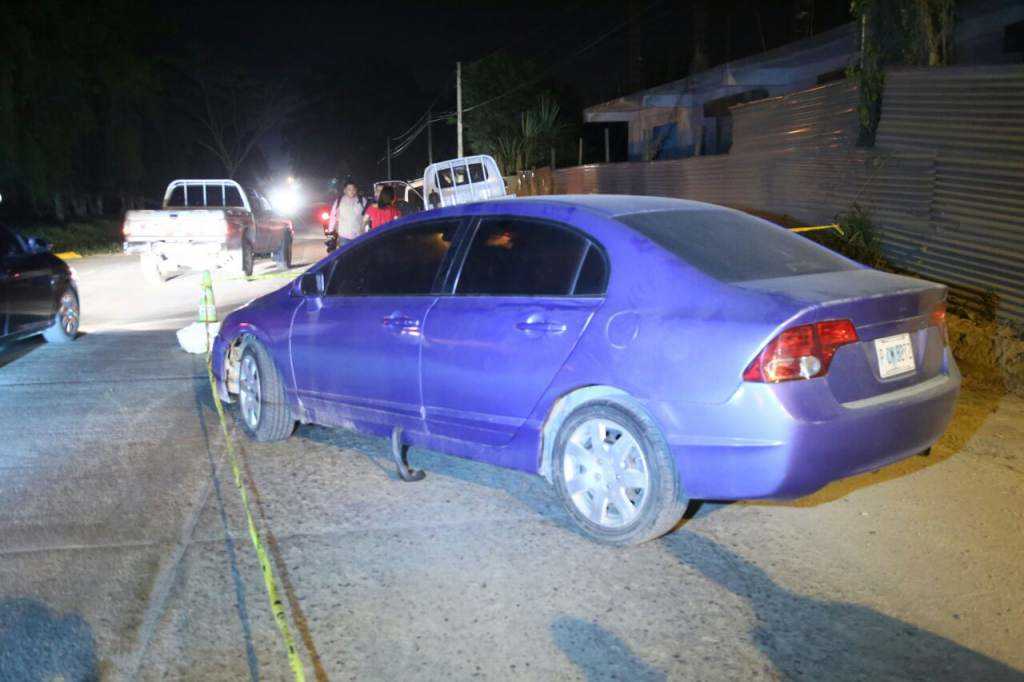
(734, 247)
(402, 262)
(232, 197)
(523, 257)
(593, 275)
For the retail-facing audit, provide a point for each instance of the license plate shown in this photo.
(895, 355)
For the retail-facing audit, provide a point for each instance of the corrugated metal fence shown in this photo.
(944, 184)
(972, 122)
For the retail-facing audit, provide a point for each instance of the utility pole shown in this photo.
(607, 147)
(552, 158)
(580, 161)
(430, 138)
(389, 159)
(458, 100)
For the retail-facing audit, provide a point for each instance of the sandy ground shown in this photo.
(123, 551)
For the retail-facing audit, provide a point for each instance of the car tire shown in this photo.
(283, 255)
(615, 475)
(248, 258)
(66, 320)
(151, 270)
(262, 406)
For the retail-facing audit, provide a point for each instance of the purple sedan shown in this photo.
(636, 352)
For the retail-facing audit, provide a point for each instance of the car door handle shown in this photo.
(399, 322)
(541, 327)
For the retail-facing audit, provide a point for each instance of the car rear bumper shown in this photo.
(794, 438)
(189, 254)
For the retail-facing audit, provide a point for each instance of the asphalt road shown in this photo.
(124, 554)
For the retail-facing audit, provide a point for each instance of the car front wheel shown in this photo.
(263, 409)
(615, 475)
(66, 321)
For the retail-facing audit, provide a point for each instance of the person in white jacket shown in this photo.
(346, 219)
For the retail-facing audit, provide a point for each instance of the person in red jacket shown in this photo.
(383, 211)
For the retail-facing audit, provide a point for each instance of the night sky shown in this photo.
(344, 50)
(113, 98)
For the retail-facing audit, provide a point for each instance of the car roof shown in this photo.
(613, 205)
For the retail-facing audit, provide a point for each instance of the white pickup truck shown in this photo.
(207, 224)
(462, 181)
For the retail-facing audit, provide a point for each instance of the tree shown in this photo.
(911, 32)
(234, 110)
(513, 114)
(83, 107)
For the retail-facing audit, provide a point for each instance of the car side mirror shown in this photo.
(311, 284)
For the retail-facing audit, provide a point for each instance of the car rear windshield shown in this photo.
(734, 247)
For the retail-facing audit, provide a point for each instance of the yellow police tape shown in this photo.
(814, 228)
(276, 605)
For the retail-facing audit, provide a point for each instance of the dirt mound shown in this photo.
(989, 346)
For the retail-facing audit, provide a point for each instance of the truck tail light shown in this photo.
(802, 352)
(126, 229)
(938, 319)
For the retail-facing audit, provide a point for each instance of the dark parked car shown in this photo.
(637, 352)
(37, 291)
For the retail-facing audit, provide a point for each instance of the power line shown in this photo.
(583, 49)
(417, 128)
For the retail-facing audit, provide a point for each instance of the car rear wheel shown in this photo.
(615, 475)
(283, 255)
(263, 409)
(66, 321)
(248, 258)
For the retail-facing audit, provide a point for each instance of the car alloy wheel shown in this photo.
(67, 314)
(606, 473)
(249, 392)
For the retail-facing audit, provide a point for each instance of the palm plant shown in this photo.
(539, 129)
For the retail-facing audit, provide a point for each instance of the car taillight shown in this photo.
(802, 352)
(938, 319)
(126, 229)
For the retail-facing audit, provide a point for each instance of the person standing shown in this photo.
(347, 220)
(384, 211)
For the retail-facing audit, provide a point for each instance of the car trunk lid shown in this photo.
(888, 312)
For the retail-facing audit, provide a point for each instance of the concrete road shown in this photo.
(124, 554)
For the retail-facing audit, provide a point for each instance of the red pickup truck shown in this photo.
(207, 224)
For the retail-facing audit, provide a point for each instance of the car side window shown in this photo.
(523, 257)
(194, 195)
(477, 172)
(177, 197)
(593, 275)
(232, 197)
(402, 262)
(215, 196)
(9, 245)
